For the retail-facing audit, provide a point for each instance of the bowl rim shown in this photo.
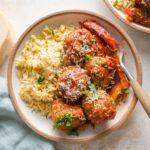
(59, 138)
(133, 25)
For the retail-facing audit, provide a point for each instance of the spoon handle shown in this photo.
(143, 97)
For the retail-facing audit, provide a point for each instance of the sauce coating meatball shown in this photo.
(80, 43)
(101, 70)
(72, 82)
(143, 4)
(99, 109)
(66, 116)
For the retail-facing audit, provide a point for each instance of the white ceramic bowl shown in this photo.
(121, 15)
(44, 126)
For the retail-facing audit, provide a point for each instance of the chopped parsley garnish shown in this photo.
(54, 112)
(46, 41)
(40, 79)
(112, 102)
(83, 44)
(61, 107)
(62, 54)
(88, 57)
(85, 92)
(126, 90)
(115, 3)
(64, 120)
(72, 132)
(98, 62)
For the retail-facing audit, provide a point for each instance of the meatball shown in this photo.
(101, 70)
(99, 107)
(80, 43)
(143, 3)
(72, 82)
(66, 116)
(137, 15)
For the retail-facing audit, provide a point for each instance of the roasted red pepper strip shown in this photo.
(100, 32)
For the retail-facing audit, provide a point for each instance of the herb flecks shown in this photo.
(54, 112)
(64, 120)
(40, 79)
(88, 57)
(83, 43)
(126, 90)
(85, 92)
(98, 62)
(61, 107)
(112, 102)
(115, 3)
(62, 54)
(46, 41)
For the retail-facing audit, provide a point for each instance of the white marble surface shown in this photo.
(135, 133)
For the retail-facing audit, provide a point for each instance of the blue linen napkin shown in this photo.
(14, 134)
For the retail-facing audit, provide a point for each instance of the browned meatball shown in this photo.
(80, 43)
(143, 3)
(101, 70)
(66, 116)
(99, 107)
(72, 82)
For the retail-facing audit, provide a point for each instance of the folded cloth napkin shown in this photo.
(14, 134)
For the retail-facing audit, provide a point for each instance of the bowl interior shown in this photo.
(44, 126)
(122, 16)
